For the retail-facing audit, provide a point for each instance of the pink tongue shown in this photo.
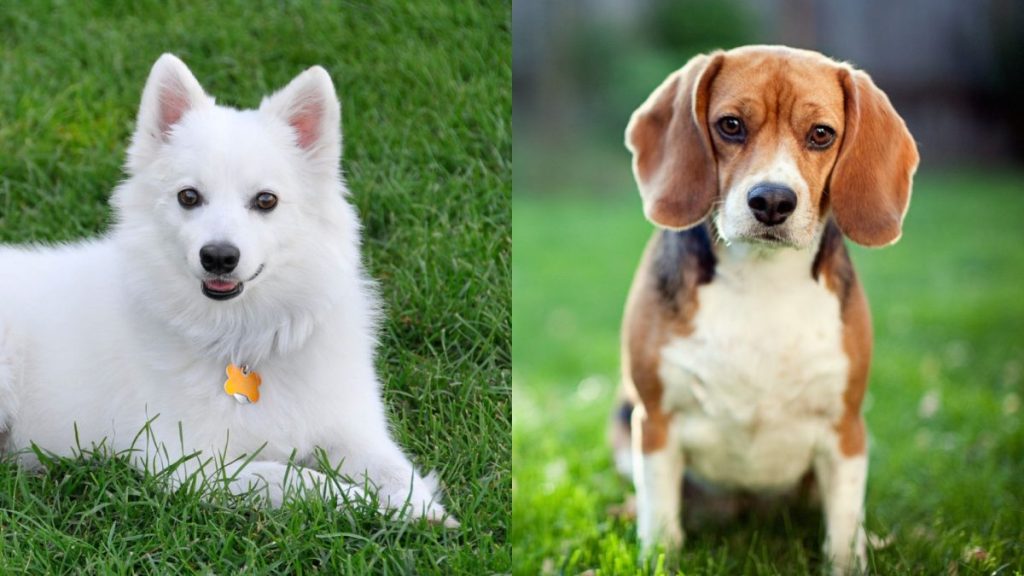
(220, 285)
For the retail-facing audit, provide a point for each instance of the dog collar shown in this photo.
(242, 384)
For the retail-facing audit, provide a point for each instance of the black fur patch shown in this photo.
(832, 248)
(684, 259)
(625, 413)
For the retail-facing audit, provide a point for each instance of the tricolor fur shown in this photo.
(747, 336)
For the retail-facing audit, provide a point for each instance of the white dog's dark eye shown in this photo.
(732, 129)
(189, 198)
(264, 201)
(821, 137)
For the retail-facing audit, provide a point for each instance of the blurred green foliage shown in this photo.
(614, 68)
(598, 75)
(691, 26)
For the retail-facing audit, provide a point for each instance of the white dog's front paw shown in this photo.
(276, 483)
(435, 514)
(425, 501)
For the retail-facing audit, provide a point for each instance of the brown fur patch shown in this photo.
(780, 95)
(681, 162)
(661, 305)
(857, 342)
(832, 263)
(673, 160)
(870, 185)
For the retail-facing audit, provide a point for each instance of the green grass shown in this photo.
(426, 96)
(948, 304)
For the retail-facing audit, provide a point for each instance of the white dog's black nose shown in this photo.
(219, 258)
(771, 203)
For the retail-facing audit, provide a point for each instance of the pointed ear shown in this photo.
(871, 182)
(171, 91)
(673, 158)
(310, 107)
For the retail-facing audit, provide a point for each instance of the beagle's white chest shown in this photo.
(758, 384)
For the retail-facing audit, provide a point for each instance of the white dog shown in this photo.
(227, 308)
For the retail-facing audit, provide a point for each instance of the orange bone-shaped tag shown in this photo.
(243, 384)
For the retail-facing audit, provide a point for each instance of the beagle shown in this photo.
(747, 337)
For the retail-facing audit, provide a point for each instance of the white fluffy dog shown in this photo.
(227, 308)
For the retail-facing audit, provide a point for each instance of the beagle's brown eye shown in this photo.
(189, 198)
(732, 129)
(821, 137)
(265, 201)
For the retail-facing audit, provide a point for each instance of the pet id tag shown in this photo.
(242, 384)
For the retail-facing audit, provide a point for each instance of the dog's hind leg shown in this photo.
(620, 437)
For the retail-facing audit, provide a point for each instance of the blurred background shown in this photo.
(580, 68)
(948, 300)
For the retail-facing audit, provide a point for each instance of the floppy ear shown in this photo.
(171, 91)
(870, 185)
(673, 158)
(309, 106)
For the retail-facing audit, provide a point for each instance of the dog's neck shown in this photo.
(231, 338)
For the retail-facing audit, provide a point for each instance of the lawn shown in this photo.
(946, 486)
(426, 105)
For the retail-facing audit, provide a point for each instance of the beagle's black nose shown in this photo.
(771, 203)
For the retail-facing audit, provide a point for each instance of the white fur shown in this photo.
(843, 482)
(735, 222)
(657, 477)
(755, 391)
(105, 335)
(759, 382)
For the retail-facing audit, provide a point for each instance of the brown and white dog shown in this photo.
(747, 337)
